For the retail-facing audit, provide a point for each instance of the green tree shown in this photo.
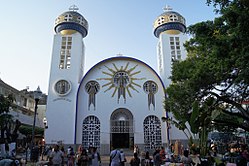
(8, 126)
(213, 81)
(27, 130)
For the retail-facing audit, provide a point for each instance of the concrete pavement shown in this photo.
(105, 160)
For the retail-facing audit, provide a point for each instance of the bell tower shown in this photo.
(66, 72)
(169, 28)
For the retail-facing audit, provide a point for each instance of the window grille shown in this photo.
(65, 53)
(152, 132)
(91, 132)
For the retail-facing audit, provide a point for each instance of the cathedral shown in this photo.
(119, 102)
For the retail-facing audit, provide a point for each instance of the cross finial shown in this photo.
(119, 54)
(73, 8)
(167, 8)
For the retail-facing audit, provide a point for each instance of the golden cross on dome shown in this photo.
(167, 8)
(73, 8)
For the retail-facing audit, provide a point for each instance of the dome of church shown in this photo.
(70, 22)
(169, 22)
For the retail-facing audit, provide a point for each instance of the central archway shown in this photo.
(121, 127)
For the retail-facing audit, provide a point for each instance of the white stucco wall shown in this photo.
(61, 109)
(137, 104)
(165, 64)
(165, 60)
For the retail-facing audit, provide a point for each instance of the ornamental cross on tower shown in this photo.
(73, 8)
(167, 8)
(119, 54)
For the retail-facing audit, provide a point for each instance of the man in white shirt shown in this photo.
(57, 156)
(115, 157)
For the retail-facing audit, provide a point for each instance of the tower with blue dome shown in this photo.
(169, 28)
(66, 71)
(71, 22)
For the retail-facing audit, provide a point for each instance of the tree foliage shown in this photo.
(27, 130)
(210, 87)
(8, 126)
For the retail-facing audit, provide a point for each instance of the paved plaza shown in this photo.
(104, 161)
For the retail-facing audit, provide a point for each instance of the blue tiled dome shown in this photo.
(71, 21)
(169, 21)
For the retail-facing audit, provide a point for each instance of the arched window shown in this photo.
(152, 132)
(91, 132)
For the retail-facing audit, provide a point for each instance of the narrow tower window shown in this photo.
(175, 48)
(65, 53)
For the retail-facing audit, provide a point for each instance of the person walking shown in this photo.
(115, 157)
(83, 158)
(64, 156)
(96, 160)
(156, 157)
(70, 157)
(162, 155)
(195, 158)
(122, 157)
(186, 160)
(56, 156)
(142, 158)
(136, 149)
(48, 152)
(135, 161)
(147, 160)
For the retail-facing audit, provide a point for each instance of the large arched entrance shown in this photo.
(121, 127)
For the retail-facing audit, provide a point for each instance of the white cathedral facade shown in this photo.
(119, 102)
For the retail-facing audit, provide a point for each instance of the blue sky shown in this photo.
(115, 26)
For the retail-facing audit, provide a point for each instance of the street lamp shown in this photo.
(45, 122)
(37, 97)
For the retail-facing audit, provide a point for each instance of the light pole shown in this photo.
(45, 125)
(37, 97)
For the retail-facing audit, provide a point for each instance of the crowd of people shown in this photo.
(184, 157)
(57, 156)
(157, 158)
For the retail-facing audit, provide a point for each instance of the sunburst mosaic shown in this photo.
(121, 80)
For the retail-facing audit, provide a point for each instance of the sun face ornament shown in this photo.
(121, 80)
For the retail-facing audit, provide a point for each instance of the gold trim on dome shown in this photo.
(68, 32)
(172, 32)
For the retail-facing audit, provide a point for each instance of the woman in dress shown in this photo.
(83, 158)
(96, 160)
